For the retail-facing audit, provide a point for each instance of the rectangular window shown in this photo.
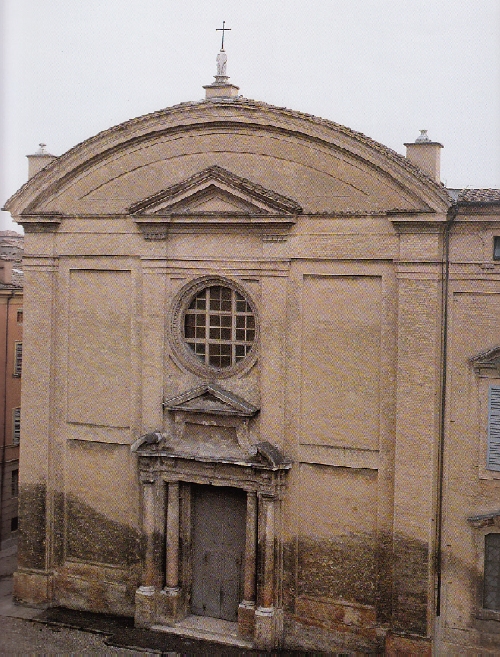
(491, 592)
(20, 316)
(493, 458)
(496, 248)
(16, 426)
(18, 358)
(14, 489)
(14, 524)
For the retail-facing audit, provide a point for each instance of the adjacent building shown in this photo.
(11, 349)
(261, 384)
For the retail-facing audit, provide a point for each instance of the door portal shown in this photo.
(218, 539)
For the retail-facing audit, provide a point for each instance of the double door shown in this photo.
(218, 542)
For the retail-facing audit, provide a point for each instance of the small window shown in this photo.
(20, 316)
(496, 248)
(18, 358)
(16, 426)
(14, 524)
(493, 457)
(14, 490)
(491, 589)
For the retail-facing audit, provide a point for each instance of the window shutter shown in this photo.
(16, 429)
(493, 461)
(18, 358)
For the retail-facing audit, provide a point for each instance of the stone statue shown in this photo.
(221, 64)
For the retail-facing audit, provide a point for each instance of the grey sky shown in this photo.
(387, 68)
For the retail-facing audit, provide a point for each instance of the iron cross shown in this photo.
(223, 29)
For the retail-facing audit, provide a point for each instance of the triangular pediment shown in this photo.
(215, 191)
(212, 399)
(487, 361)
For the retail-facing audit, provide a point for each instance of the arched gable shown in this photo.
(323, 167)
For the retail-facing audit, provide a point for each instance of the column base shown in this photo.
(33, 588)
(145, 606)
(265, 635)
(246, 619)
(170, 605)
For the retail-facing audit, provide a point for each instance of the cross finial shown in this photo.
(223, 29)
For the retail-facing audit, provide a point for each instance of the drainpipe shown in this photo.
(445, 279)
(4, 431)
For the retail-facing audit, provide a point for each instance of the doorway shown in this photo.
(218, 541)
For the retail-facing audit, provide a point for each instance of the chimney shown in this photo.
(5, 272)
(39, 160)
(426, 154)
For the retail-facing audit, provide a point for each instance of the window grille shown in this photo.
(219, 326)
(491, 594)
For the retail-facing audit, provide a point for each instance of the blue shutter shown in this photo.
(493, 460)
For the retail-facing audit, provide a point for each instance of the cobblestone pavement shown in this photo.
(19, 636)
(56, 631)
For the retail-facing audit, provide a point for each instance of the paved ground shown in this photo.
(56, 631)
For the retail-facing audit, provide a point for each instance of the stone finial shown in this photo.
(423, 137)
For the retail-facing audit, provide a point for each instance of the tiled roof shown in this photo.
(479, 196)
(249, 105)
(11, 234)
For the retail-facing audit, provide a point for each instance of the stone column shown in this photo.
(246, 610)
(172, 556)
(264, 614)
(145, 594)
(170, 601)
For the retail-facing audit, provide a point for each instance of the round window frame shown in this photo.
(183, 352)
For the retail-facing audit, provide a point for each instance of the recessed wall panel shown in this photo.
(99, 348)
(341, 361)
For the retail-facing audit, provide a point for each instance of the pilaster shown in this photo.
(33, 580)
(418, 386)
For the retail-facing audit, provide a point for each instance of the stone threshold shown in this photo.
(209, 629)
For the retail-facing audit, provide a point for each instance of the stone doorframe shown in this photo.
(164, 595)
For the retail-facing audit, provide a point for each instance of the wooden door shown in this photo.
(218, 540)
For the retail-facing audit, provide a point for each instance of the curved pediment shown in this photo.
(308, 163)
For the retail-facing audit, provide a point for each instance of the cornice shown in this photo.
(485, 520)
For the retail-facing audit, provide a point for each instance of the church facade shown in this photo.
(261, 384)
